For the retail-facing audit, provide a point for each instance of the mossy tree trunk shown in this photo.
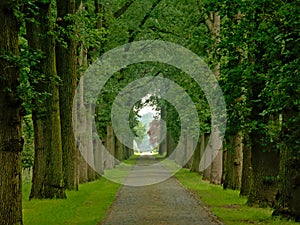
(233, 162)
(81, 119)
(264, 157)
(47, 181)
(213, 23)
(109, 161)
(11, 142)
(246, 168)
(67, 70)
(196, 158)
(288, 197)
(89, 144)
(163, 147)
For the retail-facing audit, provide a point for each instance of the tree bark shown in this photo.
(288, 196)
(47, 180)
(213, 23)
(265, 168)
(109, 161)
(11, 142)
(207, 171)
(170, 144)
(89, 144)
(196, 158)
(233, 163)
(264, 158)
(247, 169)
(67, 70)
(163, 144)
(98, 156)
(119, 149)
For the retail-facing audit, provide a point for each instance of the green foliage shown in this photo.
(83, 28)
(174, 21)
(140, 131)
(28, 148)
(29, 77)
(259, 64)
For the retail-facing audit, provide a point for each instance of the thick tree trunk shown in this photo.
(189, 146)
(163, 145)
(264, 158)
(109, 161)
(170, 144)
(288, 197)
(202, 148)
(213, 23)
(247, 169)
(213, 172)
(11, 142)
(180, 154)
(207, 171)
(233, 163)
(265, 168)
(89, 144)
(81, 122)
(216, 169)
(119, 149)
(47, 180)
(67, 70)
(98, 157)
(196, 158)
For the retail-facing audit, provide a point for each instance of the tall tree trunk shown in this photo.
(98, 156)
(196, 158)
(246, 169)
(47, 180)
(180, 154)
(163, 145)
(264, 158)
(189, 145)
(67, 70)
(265, 166)
(233, 163)
(207, 171)
(170, 144)
(109, 161)
(11, 142)
(288, 197)
(81, 122)
(89, 145)
(118, 149)
(213, 23)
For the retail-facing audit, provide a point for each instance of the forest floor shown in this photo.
(163, 203)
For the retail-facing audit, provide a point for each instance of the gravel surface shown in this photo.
(164, 203)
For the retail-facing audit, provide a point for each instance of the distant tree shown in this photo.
(154, 133)
(140, 131)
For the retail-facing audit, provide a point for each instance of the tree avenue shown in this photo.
(252, 48)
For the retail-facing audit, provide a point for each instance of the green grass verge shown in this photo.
(84, 207)
(227, 204)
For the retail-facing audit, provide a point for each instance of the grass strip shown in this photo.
(84, 207)
(227, 205)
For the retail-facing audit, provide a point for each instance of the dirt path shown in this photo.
(165, 203)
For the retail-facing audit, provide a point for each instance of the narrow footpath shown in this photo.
(164, 203)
